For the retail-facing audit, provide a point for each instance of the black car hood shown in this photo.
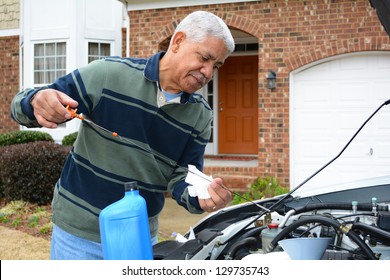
(382, 8)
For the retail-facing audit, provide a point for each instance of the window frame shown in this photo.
(99, 55)
(58, 71)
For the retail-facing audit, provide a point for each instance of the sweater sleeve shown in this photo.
(21, 109)
(81, 85)
(194, 154)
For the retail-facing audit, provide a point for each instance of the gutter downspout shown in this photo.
(126, 24)
(21, 43)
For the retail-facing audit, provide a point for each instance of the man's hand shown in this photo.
(220, 197)
(49, 107)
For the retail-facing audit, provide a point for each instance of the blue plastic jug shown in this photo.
(124, 227)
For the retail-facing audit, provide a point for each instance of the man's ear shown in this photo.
(178, 39)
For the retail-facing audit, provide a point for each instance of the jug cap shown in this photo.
(130, 186)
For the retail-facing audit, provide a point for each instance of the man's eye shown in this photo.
(218, 65)
(205, 58)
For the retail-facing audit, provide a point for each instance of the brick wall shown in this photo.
(291, 34)
(9, 80)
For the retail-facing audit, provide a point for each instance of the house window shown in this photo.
(49, 62)
(210, 100)
(246, 47)
(98, 51)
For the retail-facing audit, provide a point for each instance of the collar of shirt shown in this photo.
(151, 73)
(164, 98)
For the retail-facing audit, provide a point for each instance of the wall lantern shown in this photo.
(271, 80)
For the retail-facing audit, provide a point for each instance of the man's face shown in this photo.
(196, 62)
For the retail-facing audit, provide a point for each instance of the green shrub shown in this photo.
(20, 137)
(29, 171)
(69, 139)
(261, 188)
(24, 136)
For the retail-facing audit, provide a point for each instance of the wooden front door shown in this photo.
(238, 106)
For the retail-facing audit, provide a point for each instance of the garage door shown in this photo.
(329, 102)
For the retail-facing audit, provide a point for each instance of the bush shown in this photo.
(20, 137)
(29, 171)
(24, 136)
(261, 188)
(69, 139)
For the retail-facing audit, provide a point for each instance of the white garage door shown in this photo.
(329, 102)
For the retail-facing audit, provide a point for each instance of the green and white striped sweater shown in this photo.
(156, 145)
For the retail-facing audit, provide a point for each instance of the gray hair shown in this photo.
(200, 24)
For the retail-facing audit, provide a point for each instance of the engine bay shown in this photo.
(355, 218)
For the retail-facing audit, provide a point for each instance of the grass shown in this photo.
(30, 218)
(24, 241)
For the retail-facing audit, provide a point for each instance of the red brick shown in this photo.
(9, 80)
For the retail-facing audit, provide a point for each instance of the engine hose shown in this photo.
(244, 243)
(338, 206)
(374, 231)
(325, 221)
(250, 233)
(253, 232)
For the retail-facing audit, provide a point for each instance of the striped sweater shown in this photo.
(120, 94)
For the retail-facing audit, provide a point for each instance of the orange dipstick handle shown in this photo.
(73, 113)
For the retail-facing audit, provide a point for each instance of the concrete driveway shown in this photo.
(175, 218)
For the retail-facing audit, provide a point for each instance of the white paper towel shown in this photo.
(180, 238)
(199, 182)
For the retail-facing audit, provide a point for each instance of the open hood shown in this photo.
(382, 8)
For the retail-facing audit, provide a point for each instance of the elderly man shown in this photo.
(164, 127)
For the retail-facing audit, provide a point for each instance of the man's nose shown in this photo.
(208, 70)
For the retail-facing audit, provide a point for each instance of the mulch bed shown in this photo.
(31, 218)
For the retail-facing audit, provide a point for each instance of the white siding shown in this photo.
(75, 22)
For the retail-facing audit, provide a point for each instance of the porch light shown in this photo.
(271, 80)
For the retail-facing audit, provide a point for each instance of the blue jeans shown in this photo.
(66, 246)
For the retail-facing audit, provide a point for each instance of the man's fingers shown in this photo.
(66, 100)
(220, 197)
(45, 123)
(207, 205)
(49, 107)
(219, 192)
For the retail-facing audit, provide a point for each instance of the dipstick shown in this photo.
(73, 113)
